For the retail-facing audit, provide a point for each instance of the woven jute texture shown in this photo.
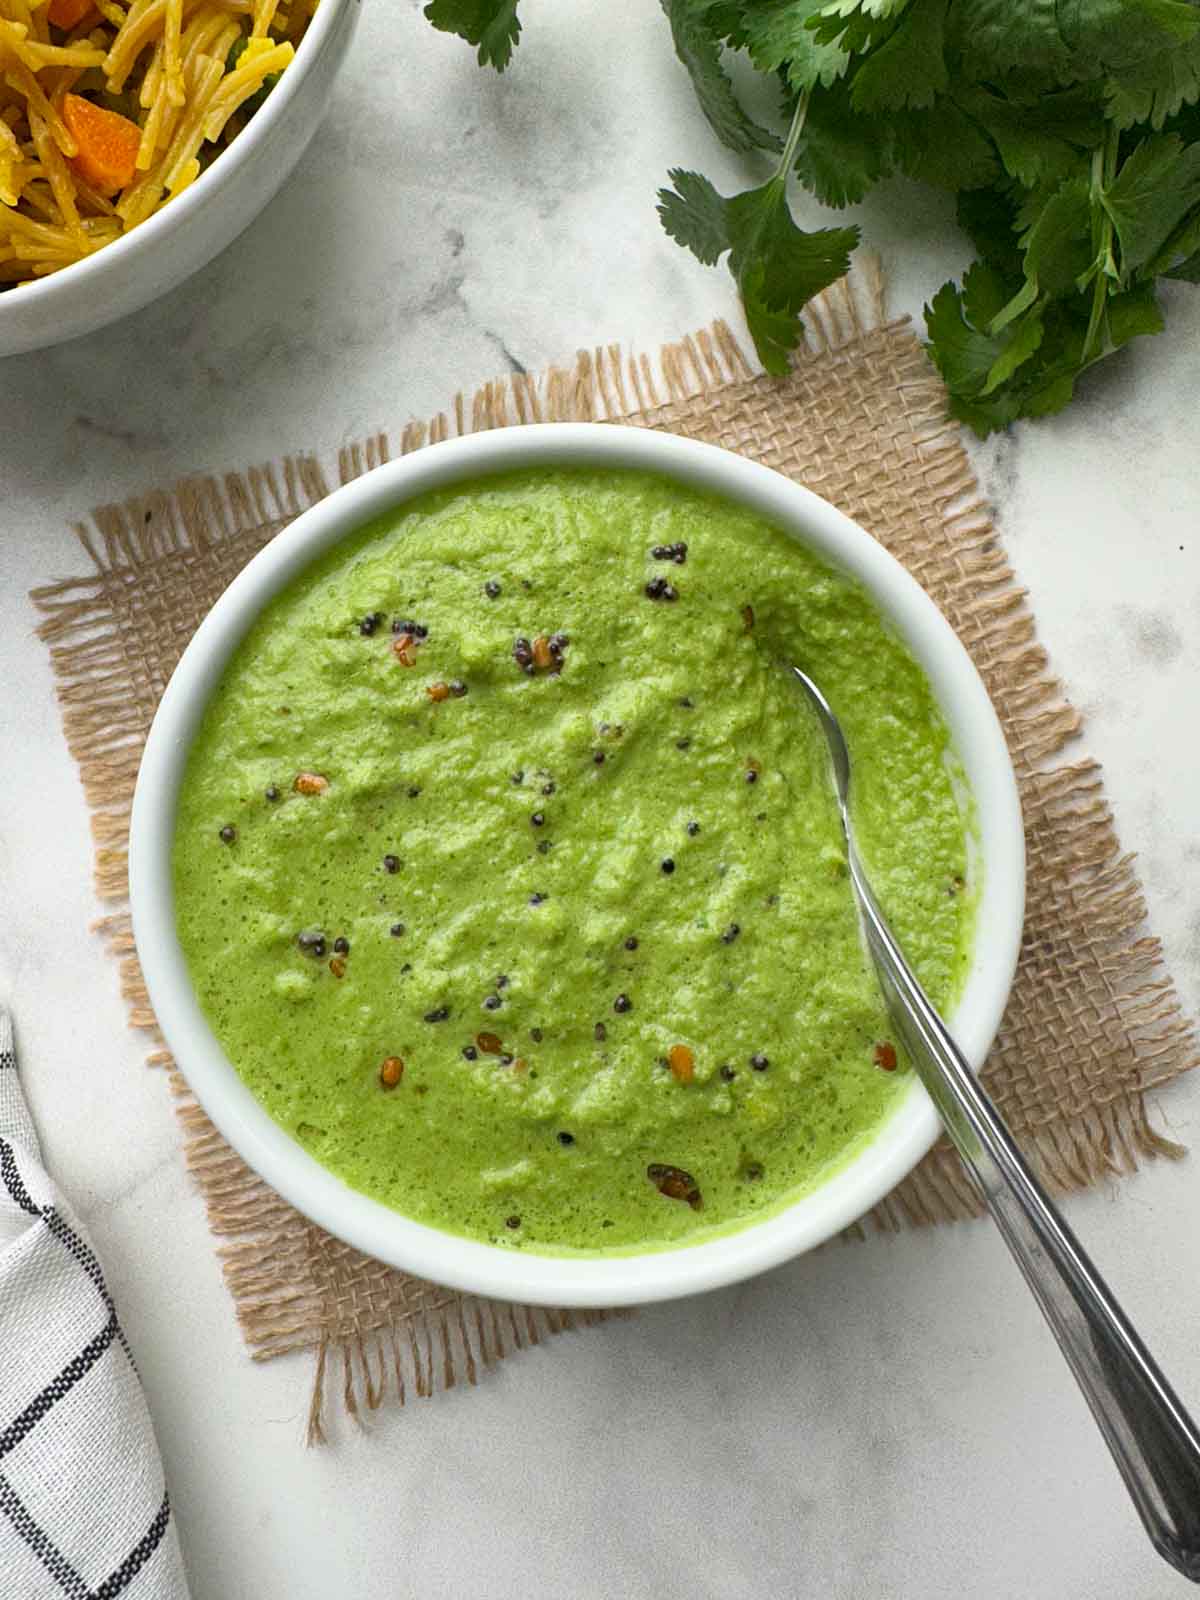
(1093, 1022)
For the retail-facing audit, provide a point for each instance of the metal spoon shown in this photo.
(1152, 1439)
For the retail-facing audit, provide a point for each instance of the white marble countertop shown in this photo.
(888, 1420)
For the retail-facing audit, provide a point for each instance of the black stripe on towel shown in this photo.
(79, 1250)
(40, 1543)
(11, 1177)
(58, 1388)
(138, 1556)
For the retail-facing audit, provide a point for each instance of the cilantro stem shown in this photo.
(1104, 162)
(792, 142)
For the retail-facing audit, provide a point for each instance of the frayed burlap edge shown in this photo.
(445, 1337)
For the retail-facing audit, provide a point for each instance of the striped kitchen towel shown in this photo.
(83, 1508)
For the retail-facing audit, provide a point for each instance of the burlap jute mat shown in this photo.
(1094, 1021)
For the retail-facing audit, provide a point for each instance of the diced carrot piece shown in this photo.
(68, 14)
(108, 144)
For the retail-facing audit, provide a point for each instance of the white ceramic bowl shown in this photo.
(186, 234)
(486, 1269)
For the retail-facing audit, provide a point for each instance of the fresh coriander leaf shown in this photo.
(700, 51)
(909, 67)
(1115, 34)
(492, 25)
(724, 18)
(1151, 194)
(875, 9)
(1029, 156)
(945, 147)
(993, 37)
(1187, 270)
(986, 217)
(796, 265)
(693, 213)
(1043, 355)
(1058, 247)
(985, 294)
(964, 355)
(1180, 256)
(778, 268)
(1037, 143)
(974, 362)
(1133, 313)
(1054, 395)
(1022, 340)
(777, 36)
(856, 25)
(841, 154)
(775, 331)
(1156, 88)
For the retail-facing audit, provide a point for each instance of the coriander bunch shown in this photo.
(1068, 130)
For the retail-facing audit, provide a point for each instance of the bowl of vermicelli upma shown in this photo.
(138, 137)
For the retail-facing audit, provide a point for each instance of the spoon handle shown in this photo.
(1152, 1439)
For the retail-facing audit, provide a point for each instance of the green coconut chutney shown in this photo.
(570, 856)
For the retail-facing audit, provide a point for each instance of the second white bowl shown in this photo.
(187, 233)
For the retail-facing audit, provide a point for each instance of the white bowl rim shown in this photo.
(177, 213)
(470, 1265)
